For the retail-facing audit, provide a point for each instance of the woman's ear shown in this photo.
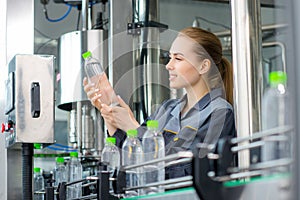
(205, 66)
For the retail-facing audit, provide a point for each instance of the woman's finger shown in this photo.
(96, 97)
(105, 109)
(88, 87)
(85, 81)
(108, 118)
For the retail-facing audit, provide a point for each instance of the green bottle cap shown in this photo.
(37, 169)
(152, 124)
(111, 140)
(277, 77)
(37, 146)
(132, 133)
(74, 154)
(86, 54)
(60, 160)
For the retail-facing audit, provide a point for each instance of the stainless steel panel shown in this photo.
(72, 128)
(88, 133)
(29, 128)
(293, 72)
(246, 57)
(136, 76)
(120, 48)
(71, 71)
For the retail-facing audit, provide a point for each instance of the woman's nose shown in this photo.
(169, 65)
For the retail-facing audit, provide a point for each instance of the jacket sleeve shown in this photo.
(218, 125)
(120, 135)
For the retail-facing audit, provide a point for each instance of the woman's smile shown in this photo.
(172, 77)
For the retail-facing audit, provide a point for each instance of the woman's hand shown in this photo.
(93, 94)
(119, 116)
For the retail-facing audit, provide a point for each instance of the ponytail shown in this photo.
(226, 71)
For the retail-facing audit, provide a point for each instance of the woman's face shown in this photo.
(184, 65)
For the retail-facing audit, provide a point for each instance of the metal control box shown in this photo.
(29, 103)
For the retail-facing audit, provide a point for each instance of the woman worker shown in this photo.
(202, 115)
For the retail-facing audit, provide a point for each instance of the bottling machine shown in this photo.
(29, 109)
(128, 38)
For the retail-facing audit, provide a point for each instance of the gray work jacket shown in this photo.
(210, 119)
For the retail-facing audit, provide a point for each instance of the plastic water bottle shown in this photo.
(75, 173)
(111, 155)
(38, 183)
(154, 148)
(98, 77)
(60, 171)
(132, 153)
(276, 113)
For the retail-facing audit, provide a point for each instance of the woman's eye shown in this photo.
(178, 58)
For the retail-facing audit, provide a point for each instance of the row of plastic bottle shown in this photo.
(62, 173)
(134, 152)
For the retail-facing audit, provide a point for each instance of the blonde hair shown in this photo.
(209, 47)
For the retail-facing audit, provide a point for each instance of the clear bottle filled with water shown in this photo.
(132, 153)
(276, 112)
(154, 148)
(38, 184)
(111, 155)
(75, 173)
(60, 171)
(96, 75)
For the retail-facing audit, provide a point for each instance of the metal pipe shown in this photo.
(179, 161)
(88, 133)
(237, 176)
(272, 44)
(84, 14)
(147, 72)
(178, 185)
(293, 42)
(79, 126)
(91, 196)
(166, 182)
(72, 128)
(258, 135)
(246, 57)
(263, 28)
(256, 170)
(181, 154)
(283, 52)
(249, 146)
(264, 165)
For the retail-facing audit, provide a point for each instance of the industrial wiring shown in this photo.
(58, 19)
(60, 147)
(43, 45)
(104, 22)
(43, 34)
(78, 19)
(50, 39)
